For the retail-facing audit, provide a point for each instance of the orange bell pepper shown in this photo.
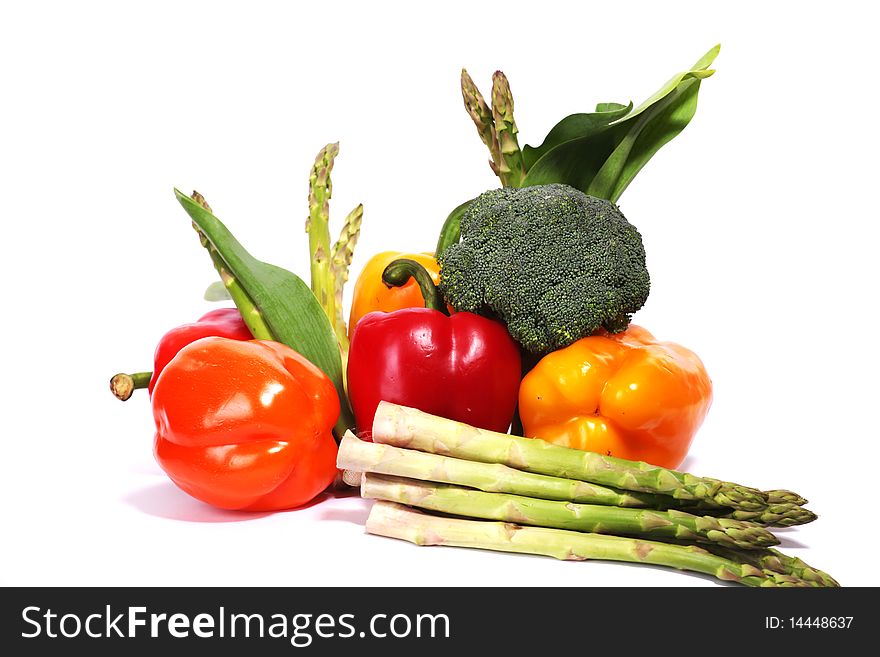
(625, 395)
(370, 293)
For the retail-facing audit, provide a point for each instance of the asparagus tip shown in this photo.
(198, 198)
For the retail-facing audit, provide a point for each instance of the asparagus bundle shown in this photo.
(360, 456)
(408, 427)
(494, 491)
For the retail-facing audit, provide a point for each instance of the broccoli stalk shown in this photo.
(551, 262)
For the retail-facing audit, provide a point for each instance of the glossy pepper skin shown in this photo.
(464, 367)
(223, 322)
(371, 293)
(245, 425)
(625, 395)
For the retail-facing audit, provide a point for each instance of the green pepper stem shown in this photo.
(123, 385)
(451, 232)
(401, 270)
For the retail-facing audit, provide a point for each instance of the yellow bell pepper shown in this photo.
(625, 395)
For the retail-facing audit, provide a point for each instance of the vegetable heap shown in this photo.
(525, 495)
(519, 321)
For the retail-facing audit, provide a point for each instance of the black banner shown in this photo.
(328, 621)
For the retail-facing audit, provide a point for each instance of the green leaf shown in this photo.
(610, 107)
(451, 232)
(644, 137)
(575, 126)
(217, 291)
(601, 159)
(287, 305)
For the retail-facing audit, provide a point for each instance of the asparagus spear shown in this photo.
(358, 455)
(481, 115)
(398, 521)
(784, 496)
(511, 169)
(645, 523)
(251, 315)
(317, 226)
(777, 562)
(340, 260)
(775, 515)
(408, 427)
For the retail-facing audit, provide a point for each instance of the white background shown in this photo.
(760, 221)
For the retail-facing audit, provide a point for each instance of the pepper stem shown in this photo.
(123, 385)
(451, 232)
(401, 270)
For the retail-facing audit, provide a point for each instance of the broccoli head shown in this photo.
(551, 262)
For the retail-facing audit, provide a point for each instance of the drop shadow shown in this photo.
(165, 500)
(344, 492)
(786, 542)
(686, 465)
(357, 516)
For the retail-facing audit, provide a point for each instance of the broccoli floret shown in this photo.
(551, 262)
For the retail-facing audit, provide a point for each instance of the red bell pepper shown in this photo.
(223, 323)
(245, 425)
(464, 367)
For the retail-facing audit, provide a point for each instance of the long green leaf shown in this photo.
(576, 161)
(575, 126)
(602, 159)
(644, 137)
(287, 305)
(650, 126)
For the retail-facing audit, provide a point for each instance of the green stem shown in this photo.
(451, 232)
(251, 315)
(401, 270)
(123, 385)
